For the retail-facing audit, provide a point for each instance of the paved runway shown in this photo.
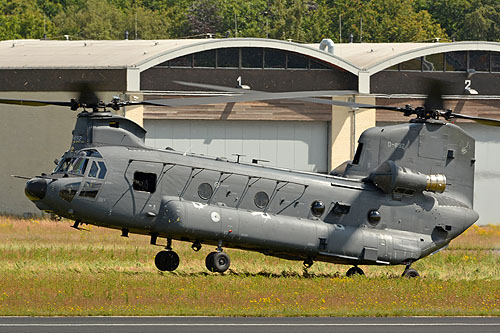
(225, 324)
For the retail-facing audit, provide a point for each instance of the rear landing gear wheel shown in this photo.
(354, 271)
(410, 273)
(209, 262)
(167, 261)
(217, 262)
(221, 262)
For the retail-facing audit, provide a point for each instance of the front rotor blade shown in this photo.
(480, 120)
(214, 87)
(254, 96)
(32, 102)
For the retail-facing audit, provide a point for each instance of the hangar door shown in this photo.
(299, 145)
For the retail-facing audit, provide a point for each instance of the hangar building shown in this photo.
(287, 133)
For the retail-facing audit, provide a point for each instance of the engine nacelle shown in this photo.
(391, 178)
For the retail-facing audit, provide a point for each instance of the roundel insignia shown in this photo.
(215, 217)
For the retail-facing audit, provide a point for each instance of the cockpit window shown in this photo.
(103, 170)
(63, 165)
(79, 166)
(97, 170)
(93, 170)
(91, 153)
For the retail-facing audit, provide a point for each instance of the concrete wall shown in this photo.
(487, 172)
(30, 139)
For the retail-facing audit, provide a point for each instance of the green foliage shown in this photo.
(299, 20)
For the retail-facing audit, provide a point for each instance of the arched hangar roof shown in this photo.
(372, 58)
(137, 54)
(210, 44)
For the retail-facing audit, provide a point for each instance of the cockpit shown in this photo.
(76, 164)
(87, 164)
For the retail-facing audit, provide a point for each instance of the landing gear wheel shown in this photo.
(209, 262)
(167, 261)
(354, 271)
(221, 262)
(410, 273)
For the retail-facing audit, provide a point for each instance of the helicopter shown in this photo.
(405, 195)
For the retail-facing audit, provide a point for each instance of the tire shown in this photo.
(354, 271)
(167, 261)
(209, 262)
(221, 262)
(410, 273)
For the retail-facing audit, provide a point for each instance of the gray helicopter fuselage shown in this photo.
(353, 217)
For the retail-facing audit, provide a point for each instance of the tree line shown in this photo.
(298, 20)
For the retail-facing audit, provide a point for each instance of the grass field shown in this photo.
(48, 268)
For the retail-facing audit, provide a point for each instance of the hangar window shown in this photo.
(229, 57)
(411, 65)
(479, 61)
(317, 65)
(246, 57)
(205, 59)
(274, 58)
(433, 63)
(184, 61)
(297, 61)
(456, 61)
(251, 57)
(144, 181)
(495, 62)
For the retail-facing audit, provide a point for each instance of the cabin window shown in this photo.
(261, 199)
(205, 191)
(317, 208)
(144, 181)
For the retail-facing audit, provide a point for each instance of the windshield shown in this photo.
(79, 166)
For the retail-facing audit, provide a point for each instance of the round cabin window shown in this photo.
(205, 191)
(374, 217)
(261, 199)
(317, 208)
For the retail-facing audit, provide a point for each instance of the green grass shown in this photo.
(47, 268)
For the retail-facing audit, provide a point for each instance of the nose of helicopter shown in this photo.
(36, 189)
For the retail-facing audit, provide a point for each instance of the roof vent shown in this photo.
(326, 43)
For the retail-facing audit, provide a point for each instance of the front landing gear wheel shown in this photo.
(410, 273)
(354, 271)
(217, 262)
(167, 261)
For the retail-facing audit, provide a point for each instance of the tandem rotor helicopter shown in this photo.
(406, 194)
